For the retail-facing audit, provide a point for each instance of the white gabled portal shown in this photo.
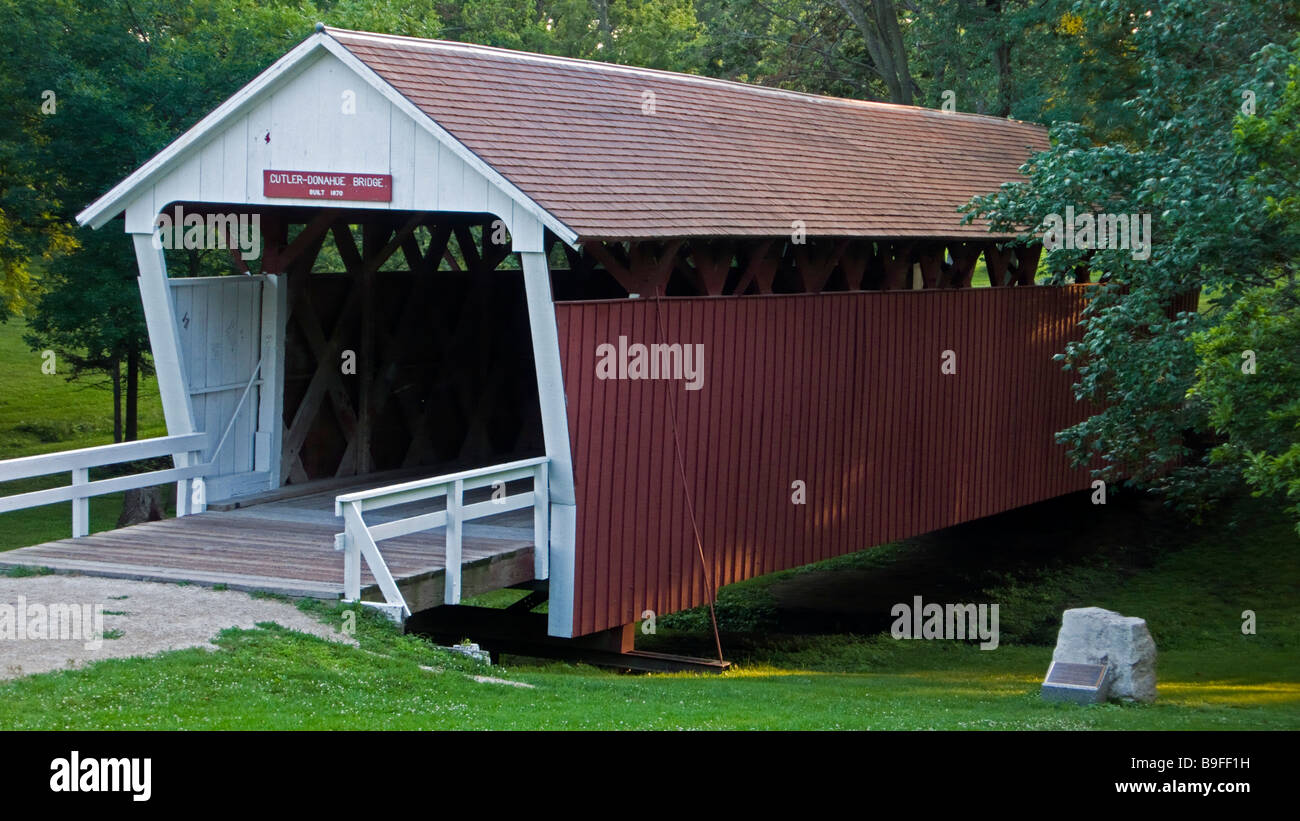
(220, 344)
(319, 108)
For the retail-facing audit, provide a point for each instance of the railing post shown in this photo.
(80, 505)
(451, 592)
(352, 557)
(182, 498)
(199, 497)
(541, 523)
(183, 491)
(191, 494)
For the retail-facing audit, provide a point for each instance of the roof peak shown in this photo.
(532, 56)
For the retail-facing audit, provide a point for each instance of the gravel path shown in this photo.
(146, 617)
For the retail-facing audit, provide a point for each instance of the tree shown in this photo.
(90, 315)
(800, 45)
(1213, 231)
(126, 77)
(1248, 377)
(878, 26)
(31, 227)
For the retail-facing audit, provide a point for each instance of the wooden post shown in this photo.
(896, 257)
(762, 258)
(712, 264)
(451, 575)
(81, 505)
(555, 432)
(270, 400)
(814, 262)
(1027, 263)
(998, 261)
(646, 270)
(930, 257)
(853, 262)
(965, 255)
(164, 340)
(366, 360)
(541, 523)
(351, 561)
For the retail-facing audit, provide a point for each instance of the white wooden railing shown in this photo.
(184, 448)
(359, 540)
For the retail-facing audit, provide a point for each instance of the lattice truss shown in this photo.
(416, 353)
(716, 267)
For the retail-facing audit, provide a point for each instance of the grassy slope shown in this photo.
(41, 413)
(1211, 676)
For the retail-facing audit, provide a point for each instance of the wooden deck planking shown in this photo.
(287, 547)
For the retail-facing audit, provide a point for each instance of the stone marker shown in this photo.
(1080, 683)
(1091, 635)
(471, 650)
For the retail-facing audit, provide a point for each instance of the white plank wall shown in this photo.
(301, 126)
(219, 325)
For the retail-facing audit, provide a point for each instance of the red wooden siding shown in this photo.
(842, 391)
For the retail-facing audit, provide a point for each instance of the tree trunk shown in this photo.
(132, 393)
(144, 504)
(1001, 58)
(141, 505)
(117, 399)
(602, 22)
(877, 22)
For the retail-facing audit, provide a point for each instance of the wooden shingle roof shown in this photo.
(617, 152)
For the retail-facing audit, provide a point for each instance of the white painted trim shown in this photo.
(169, 367)
(78, 462)
(474, 161)
(80, 491)
(27, 467)
(452, 543)
(120, 196)
(555, 433)
(80, 504)
(564, 532)
(420, 489)
(130, 190)
(164, 340)
(359, 541)
(199, 282)
(270, 407)
(541, 523)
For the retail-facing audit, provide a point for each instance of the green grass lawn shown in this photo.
(271, 679)
(1191, 592)
(42, 413)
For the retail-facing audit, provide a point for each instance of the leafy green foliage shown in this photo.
(1249, 379)
(1208, 197)
(125, 79)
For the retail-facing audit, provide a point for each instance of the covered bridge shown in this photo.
(699, 330)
